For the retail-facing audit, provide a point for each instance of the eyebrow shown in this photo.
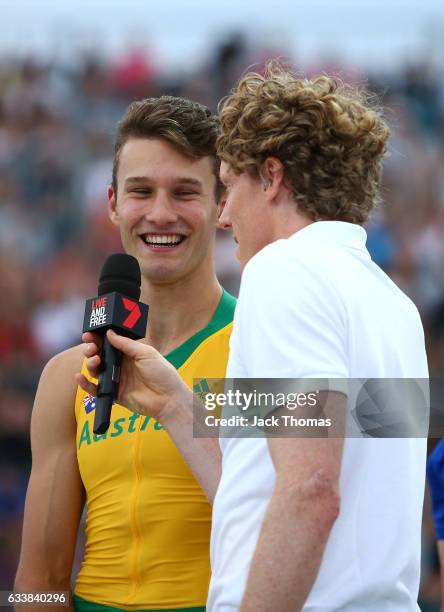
(189, 181)
(137, 180)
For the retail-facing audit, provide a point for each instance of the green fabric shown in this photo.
(223, 315)
(83, 605)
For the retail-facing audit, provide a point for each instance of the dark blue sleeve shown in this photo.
(435, 477)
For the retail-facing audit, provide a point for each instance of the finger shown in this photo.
(129, 347)
(90, 349)
(86, 384)
(93, 366)
(89, 337)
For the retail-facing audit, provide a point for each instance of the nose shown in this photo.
(161, 210)
(223, 221)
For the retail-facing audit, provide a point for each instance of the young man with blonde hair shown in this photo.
(322, 523)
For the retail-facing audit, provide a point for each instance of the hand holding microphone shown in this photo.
(144, 381)
(116, 308)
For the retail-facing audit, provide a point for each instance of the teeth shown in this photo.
(159, 239)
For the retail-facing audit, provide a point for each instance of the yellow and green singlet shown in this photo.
(148, 520)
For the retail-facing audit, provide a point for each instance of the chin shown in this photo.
(160, 274)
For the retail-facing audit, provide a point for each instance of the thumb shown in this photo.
(129, 347)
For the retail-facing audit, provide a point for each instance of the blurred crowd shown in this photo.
(57, 124)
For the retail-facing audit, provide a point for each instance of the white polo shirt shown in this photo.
(316, 306)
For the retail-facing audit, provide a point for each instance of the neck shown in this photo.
(180, 309)
(287, 220)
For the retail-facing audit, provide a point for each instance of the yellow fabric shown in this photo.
(148, 520)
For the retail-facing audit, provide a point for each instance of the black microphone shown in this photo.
(116, 307)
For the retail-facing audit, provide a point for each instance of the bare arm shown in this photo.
(150, 385)
(203, 455)
(55, 496)
(298, 521)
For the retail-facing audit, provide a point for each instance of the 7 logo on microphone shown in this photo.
(113, 310)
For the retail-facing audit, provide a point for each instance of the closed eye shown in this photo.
(141, 191)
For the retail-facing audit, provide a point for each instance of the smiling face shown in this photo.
(246, 211)
(165, 208)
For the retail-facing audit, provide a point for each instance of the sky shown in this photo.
(181, 32)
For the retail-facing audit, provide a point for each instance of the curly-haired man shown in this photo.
(324, 524)
(314, 523)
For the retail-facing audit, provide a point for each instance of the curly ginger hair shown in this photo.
(327, 135)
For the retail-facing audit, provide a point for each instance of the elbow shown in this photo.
(329, 510)
(41, 579)
(23, 583)
(326, 490)
(22, 580)
(325, 503)
(317, 497)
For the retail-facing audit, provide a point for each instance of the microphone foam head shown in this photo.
(121, 273)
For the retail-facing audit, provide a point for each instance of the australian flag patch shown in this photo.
(89, 403)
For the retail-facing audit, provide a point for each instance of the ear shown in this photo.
(272, 176)
(112, 206)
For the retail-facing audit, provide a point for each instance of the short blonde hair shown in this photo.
(329, 138)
